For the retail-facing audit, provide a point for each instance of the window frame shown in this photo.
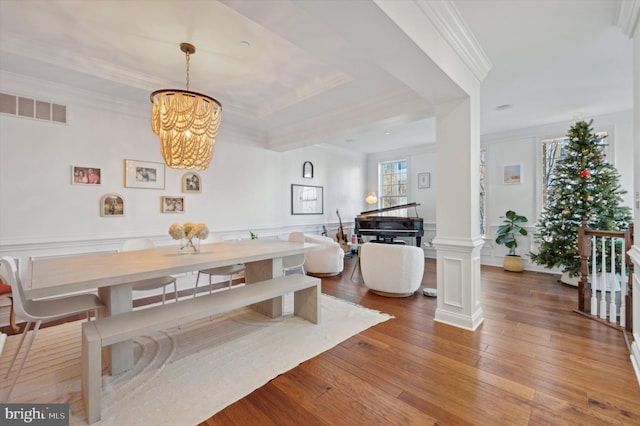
(402, 183)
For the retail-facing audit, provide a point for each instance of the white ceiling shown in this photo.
(302, 72)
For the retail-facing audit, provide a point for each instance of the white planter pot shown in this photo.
(568, 279)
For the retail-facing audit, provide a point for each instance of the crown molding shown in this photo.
(449, 23)
(628, 16)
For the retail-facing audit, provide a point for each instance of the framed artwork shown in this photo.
(191, 182)
(111, 205)
(81, 175)
(424, 180)
(511, 174)
(306, 199)
(307, 170)
(143, 174)
(172, 204)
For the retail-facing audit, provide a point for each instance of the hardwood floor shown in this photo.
(532, 362)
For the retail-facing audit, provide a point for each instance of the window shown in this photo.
(392, 177)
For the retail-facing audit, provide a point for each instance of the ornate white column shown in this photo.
(628, 20)
(458, 241)
(437, 28)
(459, 283)
(635, 250)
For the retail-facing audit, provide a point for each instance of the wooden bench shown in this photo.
(107, 331)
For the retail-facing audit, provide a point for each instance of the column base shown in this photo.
(459, 282)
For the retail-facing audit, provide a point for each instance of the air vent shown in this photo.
(32, 108)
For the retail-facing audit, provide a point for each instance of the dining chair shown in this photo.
(296, 261)
(39, 311)
(6, 293)
(230, 271)
(151, 283)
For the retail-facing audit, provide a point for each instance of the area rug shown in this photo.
(183, 376)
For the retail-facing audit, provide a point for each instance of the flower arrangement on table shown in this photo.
(186, 233)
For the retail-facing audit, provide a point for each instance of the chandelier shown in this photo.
(186, 122)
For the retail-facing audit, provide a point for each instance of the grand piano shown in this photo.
(386, 228)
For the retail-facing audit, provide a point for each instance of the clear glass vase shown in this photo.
(190, 245)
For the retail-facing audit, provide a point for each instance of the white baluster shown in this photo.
(594, 277)
(603, 283)
(623, 286)
(613, 314)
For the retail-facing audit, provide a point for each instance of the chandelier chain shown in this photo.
(188, 63)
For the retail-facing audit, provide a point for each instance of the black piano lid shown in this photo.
(388, 209)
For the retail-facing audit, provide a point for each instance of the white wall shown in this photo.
(246, 187)
(634, 253)
(420, 159)
(522, 147)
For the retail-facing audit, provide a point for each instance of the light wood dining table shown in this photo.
(113, 273)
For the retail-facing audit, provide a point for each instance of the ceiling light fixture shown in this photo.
(186, 122)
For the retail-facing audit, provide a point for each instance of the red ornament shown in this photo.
(585, 173)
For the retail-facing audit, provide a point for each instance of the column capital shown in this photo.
(458, 243)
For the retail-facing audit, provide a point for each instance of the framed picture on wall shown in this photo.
(424, 180)
(81, 175)
(143, 174)
(306, 199)
(111, 205)
(172, 204)
(191, 182)
(511, 174)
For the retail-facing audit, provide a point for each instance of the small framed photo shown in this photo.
(424, 180)
(511, 174)
(81, 175)
(143, 174)
(191, 182)
(172, 204)
(111, 205)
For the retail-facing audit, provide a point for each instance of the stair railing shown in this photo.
(605, 287)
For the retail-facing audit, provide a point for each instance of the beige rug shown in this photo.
(184, 376)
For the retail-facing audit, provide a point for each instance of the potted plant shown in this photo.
(506, 234)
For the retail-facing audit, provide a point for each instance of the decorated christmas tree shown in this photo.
(581, 186)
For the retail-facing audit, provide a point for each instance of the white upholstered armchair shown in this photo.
(327, 261)
(391, 269)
